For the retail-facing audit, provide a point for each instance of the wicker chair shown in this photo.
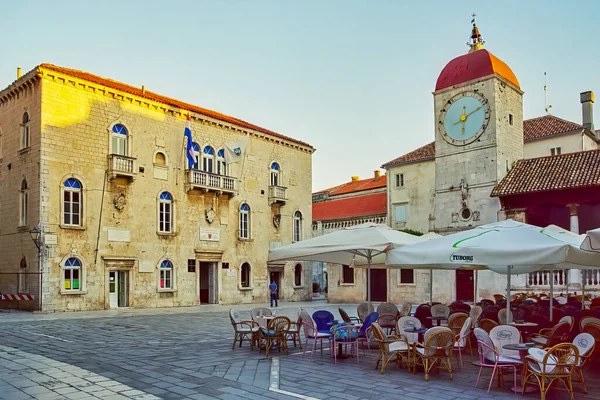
(440, 310)
(585, 343)
(391, 348)
(363, 310)
(594, 330)
(244, 331)
(406, 309)
(499, 298)
(275, 334)
(588, 320)
(293, 333)
(405, 323)
(487, 324)
(456, 321)
(437, 350)
(543, 368)
(550, 337)
(347, 318)
(503, 316)
(388, 313)
(475, 313)
(258, 311)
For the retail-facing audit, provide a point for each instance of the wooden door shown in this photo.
(204, 282)
(465, 285)
(379, 285)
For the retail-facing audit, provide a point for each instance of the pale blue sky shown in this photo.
(352, 78)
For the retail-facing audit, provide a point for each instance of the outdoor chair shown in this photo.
(557, 364)
(391, 348)
(456, 321)
(550, 337)
(406, 309)
(502, 316)
(324, 320)
(347, 318)
(406, 323)
(490, 357)
(588, 320)
(487, 324)
(293, 333)
(364, 332)
(475, 313)
(503, 335)
(275, 334)
(422, 313)
(244, 331)
(436, 351)
(363, 310)
(388, 313)
(499, 298)
(459, 306)
(259, 312)
(440, 310)
(311, 333)
(585, 344)
(346, 335)
(594, 330)
(462, 338)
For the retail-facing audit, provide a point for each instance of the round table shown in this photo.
(438, 320)
(523, 349)
(420, 331)
(524, 328)
(263, 321)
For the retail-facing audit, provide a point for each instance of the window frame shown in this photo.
(64, 190)
(399, 180)
(25, 132)
(301, 275)
(208, 159)
(250, 281)
(197, 154)
(556, 151)
(82, 268)
(244, 218)
(297, 227)
(165, 206)
(24, 204)
(119, 137)
(275, 174)
(414, 277)
(349, 270)
(222, 167)
(166, 273)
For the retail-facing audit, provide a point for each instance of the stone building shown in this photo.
(125, 221)
(351, 203)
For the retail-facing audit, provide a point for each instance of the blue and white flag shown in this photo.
(234, 152)
(188, 147)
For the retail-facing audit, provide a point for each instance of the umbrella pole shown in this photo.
(369, 259)
(508, 312)
(551, 292)
(584, 278)
(430, 287)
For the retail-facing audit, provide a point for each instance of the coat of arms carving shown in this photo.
(120, 201)
(276, 220)
(210, 215)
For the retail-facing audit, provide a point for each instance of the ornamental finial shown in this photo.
(476, 42)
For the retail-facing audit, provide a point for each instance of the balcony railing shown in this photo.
(543, 278)
(591, 278)
(277, 194)
(122, 166)
(206, 181)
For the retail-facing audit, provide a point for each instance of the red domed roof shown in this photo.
(474, 65)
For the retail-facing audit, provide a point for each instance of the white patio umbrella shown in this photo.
(360, 244)
(591, 242)
(506, 247)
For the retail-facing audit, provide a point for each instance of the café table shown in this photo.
(525, 328)
(420, 331)
(438, 319)
(263, 320)
(523, 349)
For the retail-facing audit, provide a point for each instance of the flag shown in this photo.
(188, 147)
(234, 152)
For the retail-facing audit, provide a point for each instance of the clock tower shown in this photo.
(478, 135)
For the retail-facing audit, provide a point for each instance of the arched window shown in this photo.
(297, 234)
(275, 181)
(24, 204)
(22, 281)
(298, 275)
(165, 213)
(196, 155)
(72, 202)
(166, 275)
(246, 275)
(119, 140)
(25, 131)
(160, 159)
(244, 221)
(72, 274)
(221, 164)
(208, 159)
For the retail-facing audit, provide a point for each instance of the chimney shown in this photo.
(377, 173)
(355, 179)
(143, 89)
(19, 73)
(587, 109)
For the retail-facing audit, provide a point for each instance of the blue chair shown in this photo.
(363, 334)
(324, 320)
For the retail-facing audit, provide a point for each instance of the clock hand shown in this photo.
(463, 127)
(475, 110)
(463, 117)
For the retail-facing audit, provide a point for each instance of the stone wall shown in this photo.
(570, 143)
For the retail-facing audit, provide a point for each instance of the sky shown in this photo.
(352, 78)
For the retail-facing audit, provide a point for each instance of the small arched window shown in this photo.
(244, 232)
(165, 213)
(120, 137)
(25, 131)
(275, 181)
(72, 202)
(221, 164)
(196, 155)
(72, 274)
(246, 275)
(298, 275)
(166, 275)
(297, 227)
(208, 159)
(160, 159)
(24, 204)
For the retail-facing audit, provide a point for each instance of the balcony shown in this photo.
(541, 279)
(208, 182)
(277, 194)
(122, 166)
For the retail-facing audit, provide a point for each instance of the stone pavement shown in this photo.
(186, 353)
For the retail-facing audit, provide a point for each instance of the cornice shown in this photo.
(26, 82)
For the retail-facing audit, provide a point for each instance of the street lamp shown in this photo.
(35, 236)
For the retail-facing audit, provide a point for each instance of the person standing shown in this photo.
(273, 289)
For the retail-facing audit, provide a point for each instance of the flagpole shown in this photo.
(181, 155)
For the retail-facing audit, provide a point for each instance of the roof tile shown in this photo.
(424, 153)
(348, 207)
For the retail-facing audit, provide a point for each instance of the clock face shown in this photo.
(464, 118)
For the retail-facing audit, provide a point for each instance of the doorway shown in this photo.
(465, 285)
(276, 277)
(378, 284)
(208, 282)
(118, 288)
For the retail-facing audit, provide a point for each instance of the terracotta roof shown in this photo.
(475, 65)
(565, 171)
(348, 207)
(424, 153)
(165, 100)
(548, 125)
(358, 186)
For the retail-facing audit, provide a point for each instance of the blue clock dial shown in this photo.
(464, 118)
